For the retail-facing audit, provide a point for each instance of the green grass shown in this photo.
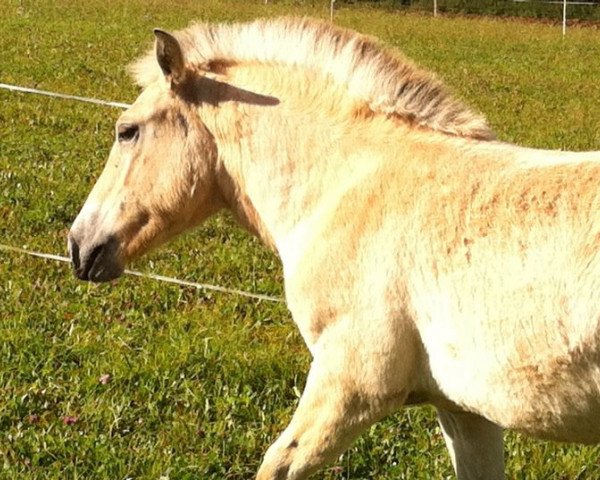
(201, 383)
(532, 8)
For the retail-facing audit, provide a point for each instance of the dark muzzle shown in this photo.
(95, 261)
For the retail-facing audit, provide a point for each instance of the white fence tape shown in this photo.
(16, 88)
(160, 278)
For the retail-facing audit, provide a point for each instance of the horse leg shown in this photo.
(336, 406)
(475, 445)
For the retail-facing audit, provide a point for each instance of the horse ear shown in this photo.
(169, 56)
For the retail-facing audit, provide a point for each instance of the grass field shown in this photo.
(144, 380)
(550, 11)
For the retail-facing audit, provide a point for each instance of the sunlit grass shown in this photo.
(140, 379)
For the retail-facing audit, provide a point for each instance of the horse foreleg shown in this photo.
(333, 411)
(475, 445)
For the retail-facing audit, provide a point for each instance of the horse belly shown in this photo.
(515, 337)
(556, 399)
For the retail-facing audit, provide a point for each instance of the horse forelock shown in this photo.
(388, 82)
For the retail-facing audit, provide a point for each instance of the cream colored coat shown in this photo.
(424, 262)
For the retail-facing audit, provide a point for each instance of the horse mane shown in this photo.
(387, 81)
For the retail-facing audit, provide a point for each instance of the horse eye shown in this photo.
(127, 132)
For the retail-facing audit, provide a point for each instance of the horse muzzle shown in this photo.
(95, 259)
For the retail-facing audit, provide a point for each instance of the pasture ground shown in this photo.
(201, 383)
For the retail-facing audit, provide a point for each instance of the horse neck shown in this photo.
(277, 163)
(269, 178)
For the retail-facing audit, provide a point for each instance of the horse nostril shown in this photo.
(89, 262)
(74, 253)
(96, 262)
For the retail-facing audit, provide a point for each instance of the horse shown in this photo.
(424, 261)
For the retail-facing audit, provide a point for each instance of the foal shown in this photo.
(424, 262)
